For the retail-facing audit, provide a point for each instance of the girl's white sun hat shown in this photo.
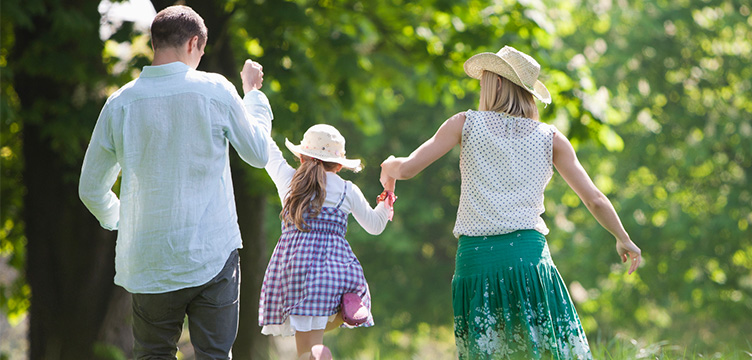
(512, 64)
(325, 143)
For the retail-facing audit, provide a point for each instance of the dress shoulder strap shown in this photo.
(344, 194)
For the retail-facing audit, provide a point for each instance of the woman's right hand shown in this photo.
(387, 181)
(389, 168)
(628, 250)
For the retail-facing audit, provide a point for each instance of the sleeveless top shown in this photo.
(505, 164)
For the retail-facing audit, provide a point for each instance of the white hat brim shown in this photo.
(475, 65)
(352, 164)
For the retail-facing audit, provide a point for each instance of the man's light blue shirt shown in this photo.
(169, 132)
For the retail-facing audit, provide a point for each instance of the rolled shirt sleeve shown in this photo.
(250, 127)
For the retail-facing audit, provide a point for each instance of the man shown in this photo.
(168, 131)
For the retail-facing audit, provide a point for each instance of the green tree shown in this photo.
(53, 77)
(678, 92)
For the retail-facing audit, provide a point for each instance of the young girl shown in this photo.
(509, 300)
(314, 281)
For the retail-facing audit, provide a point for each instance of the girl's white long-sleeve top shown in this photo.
(373, 220)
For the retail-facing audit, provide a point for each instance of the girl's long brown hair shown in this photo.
(307, 192)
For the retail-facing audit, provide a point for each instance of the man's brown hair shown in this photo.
(175, 25)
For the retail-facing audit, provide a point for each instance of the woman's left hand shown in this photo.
(628, 250)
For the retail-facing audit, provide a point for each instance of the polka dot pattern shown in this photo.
(506, 163)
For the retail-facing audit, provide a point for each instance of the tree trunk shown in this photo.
(250, 344)
(70, 258)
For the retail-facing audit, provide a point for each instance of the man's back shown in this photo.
(168, 131)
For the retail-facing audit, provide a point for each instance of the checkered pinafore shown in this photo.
(310, 271)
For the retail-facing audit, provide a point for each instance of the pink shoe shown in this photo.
(354, 312)
(320, 352)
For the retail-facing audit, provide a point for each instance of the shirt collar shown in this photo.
(164, 70)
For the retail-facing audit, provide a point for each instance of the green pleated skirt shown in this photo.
(511, 303)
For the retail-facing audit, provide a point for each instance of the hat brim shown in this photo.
(475, 65)
(351, 164)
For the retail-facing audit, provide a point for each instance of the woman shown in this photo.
(509, 300)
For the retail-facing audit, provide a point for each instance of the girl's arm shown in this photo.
(566, 163)
(257, 106)
(373, 220)
(448, 135)
(278, 169)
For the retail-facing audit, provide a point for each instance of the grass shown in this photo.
(628, 349)
(437, 343)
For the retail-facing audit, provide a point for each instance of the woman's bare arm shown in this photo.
(567, 164)
(447, 137)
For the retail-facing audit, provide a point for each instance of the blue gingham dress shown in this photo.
(310, 271)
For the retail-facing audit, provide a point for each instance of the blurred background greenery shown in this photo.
(655, 96)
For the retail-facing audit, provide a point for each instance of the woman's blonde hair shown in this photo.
(501, 95)
(307, 192)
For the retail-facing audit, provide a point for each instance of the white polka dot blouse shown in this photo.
(506, 163)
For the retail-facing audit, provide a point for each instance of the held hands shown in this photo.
(252, 75)
(387, 181)
(388, 197)
(389, 168)
(628, 250)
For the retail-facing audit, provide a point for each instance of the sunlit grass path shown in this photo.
(617, 348)
(628, 349)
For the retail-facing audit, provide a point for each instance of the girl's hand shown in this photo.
(628, 250)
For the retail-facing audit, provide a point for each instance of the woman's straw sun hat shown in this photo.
(513, 65)
(325, 143)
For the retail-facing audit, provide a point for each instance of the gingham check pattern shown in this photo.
(310, 271)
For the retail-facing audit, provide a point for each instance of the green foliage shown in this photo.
(65, 111)
(681, 184)
(108, 352)
(14, 297)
